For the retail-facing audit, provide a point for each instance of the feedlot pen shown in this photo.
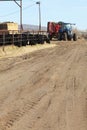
(22, 38)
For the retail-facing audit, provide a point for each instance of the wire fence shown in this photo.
(22, 38)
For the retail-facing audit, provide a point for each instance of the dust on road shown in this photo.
(45, 90)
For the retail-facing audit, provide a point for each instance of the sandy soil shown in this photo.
(46, 89)
(13, 51)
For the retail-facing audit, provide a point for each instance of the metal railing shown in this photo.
(15, 37)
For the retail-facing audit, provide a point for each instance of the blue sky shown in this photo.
(51, 10)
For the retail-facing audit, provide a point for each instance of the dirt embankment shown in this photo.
(13, 51)
(45, 90)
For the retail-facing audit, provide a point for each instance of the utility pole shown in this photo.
(20, 5)
(38, 2)
(21, 26)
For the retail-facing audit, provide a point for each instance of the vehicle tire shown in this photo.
(74, 37)
(65, 36)
(59, 37)
(50, 37)
(69, 38)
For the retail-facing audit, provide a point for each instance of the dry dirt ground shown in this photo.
(45, 89)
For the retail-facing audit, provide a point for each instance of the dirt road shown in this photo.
(45, 90)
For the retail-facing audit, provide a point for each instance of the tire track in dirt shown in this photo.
(53, 96)
(14, 115)
(29, 104)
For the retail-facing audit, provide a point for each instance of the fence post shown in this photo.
(21, 39)
(3, 41)
(12, 37)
